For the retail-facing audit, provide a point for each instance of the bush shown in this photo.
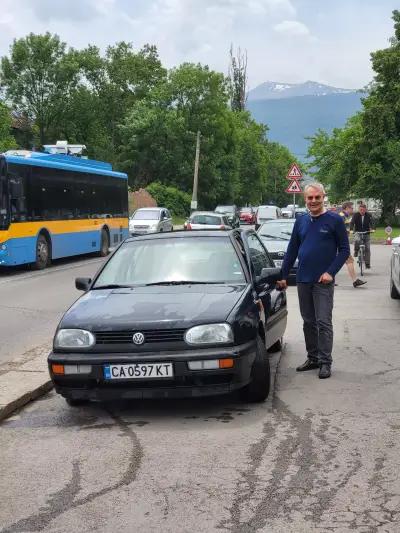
(176, 201)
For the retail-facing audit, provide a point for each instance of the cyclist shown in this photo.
(346, 213)
(362, 221)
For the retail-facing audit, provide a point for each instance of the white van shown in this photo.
(267, 212)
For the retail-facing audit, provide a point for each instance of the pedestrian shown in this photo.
(362, 222)
(347, 213)
(319, 240)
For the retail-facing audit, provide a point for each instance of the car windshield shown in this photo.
(201, 260)
(146, 215)
(225, 209)
(277, 230)
(209, 220)
(246, 210)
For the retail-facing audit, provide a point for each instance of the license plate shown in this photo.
(139, 371)
(278, 262)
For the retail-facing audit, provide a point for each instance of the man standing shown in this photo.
(346, 213)
(320, 242)
(362, 221)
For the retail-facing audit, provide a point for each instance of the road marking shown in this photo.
(18, 277)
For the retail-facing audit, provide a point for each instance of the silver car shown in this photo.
(207, 220)
(150, 220)
(395, 270)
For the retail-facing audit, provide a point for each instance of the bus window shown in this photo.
(16, 186)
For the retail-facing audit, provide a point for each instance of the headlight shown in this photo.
(74, 338)
(209, 334)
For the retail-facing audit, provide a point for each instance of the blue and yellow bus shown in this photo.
(56, 205)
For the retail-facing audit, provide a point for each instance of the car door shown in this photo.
(396, 266)
(273, 301)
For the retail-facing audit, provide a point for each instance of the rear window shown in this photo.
(209, 220)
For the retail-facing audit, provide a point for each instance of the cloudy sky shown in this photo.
(286, 40)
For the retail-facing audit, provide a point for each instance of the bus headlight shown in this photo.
(210, 334)
(74, 338)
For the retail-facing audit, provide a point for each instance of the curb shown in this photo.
(21, 400)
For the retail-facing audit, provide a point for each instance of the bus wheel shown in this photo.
(42, 253)
(104, 243)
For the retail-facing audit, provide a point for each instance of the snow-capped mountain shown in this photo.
(271, 90)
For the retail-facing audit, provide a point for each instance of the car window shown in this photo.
(277, 230)
(200, 259)
(209, 220)
(146, 215)
(258, 255)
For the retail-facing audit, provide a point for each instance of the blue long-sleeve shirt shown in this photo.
(320, 243)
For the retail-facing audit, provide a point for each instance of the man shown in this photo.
(320, 242)
(362, 221)
(346, 213)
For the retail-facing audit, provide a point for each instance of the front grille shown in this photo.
(140, 227)
(150, 336)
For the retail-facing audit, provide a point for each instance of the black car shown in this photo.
(232, 213)
(275, 234)
(172, 315)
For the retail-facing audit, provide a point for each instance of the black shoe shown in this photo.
(324, 372)
(358, 283)
(368, 266)
(308, 365)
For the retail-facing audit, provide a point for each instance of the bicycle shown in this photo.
(360, 235)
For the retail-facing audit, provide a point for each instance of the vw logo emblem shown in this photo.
(138, 338)
(281, 254)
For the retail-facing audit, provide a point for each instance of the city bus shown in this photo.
(55, 205)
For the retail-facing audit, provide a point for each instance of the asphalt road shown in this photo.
(320, 455)
(32, 303)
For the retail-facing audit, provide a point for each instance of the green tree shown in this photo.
(38, 79)
(7, 141)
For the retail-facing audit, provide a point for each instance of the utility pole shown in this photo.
(193, 204)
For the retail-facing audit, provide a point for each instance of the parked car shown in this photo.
(287, 212)
(198, 322)
(207, 220)
(247, 215)
(300, 212)
(231, 211)
(267, 212)
(395, 270)
(150, 220)
(275, 235)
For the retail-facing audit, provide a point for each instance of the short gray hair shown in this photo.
(315, 185)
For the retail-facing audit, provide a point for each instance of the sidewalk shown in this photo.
(23, 380)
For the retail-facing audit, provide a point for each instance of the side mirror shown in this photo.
(269, 275)
(83, 284)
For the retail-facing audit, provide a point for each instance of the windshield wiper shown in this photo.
(112, 286)
(270, 236)
(183, 283)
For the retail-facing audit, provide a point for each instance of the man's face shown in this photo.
(349, 210)
(314, 199)
(362, 210)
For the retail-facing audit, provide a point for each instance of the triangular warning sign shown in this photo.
(294, 187)
(294, 173)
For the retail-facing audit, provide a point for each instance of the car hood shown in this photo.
(164, 307)
(274, 246)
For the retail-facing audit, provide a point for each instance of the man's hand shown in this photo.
(325, 278)
(281, 284)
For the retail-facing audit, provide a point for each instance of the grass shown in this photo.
(381, 236)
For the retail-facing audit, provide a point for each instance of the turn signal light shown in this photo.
(226, 363)
(57, 369)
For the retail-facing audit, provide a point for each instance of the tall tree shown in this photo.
(238, 79)
(38, 79)
(7, 141)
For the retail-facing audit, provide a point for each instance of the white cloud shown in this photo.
(293, 28)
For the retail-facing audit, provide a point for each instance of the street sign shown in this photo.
(388, 230)
(294, 173)
(193, 204)
(294, 187)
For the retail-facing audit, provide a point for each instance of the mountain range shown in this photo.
(295, 111)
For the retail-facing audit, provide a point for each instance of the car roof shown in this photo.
(182, 234)
(283, 220)
(213, 213)
(150, 208)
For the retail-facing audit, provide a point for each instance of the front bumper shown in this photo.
(185, 383)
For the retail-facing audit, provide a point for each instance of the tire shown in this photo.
(73, 402)
(104, 243)
(394, 293)
(42, 253)
(258, 388)
(277, 346)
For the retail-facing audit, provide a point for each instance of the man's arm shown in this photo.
(343, 249)
(292, 251)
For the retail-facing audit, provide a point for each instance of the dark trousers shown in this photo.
(367, 249)
(316, 305)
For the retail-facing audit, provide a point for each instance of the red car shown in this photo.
(247, 216)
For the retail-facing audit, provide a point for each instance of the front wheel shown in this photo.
(394, 293)
(277, 346)
(361, 261)
(42, 253)
(104, 243)
(258, 388)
